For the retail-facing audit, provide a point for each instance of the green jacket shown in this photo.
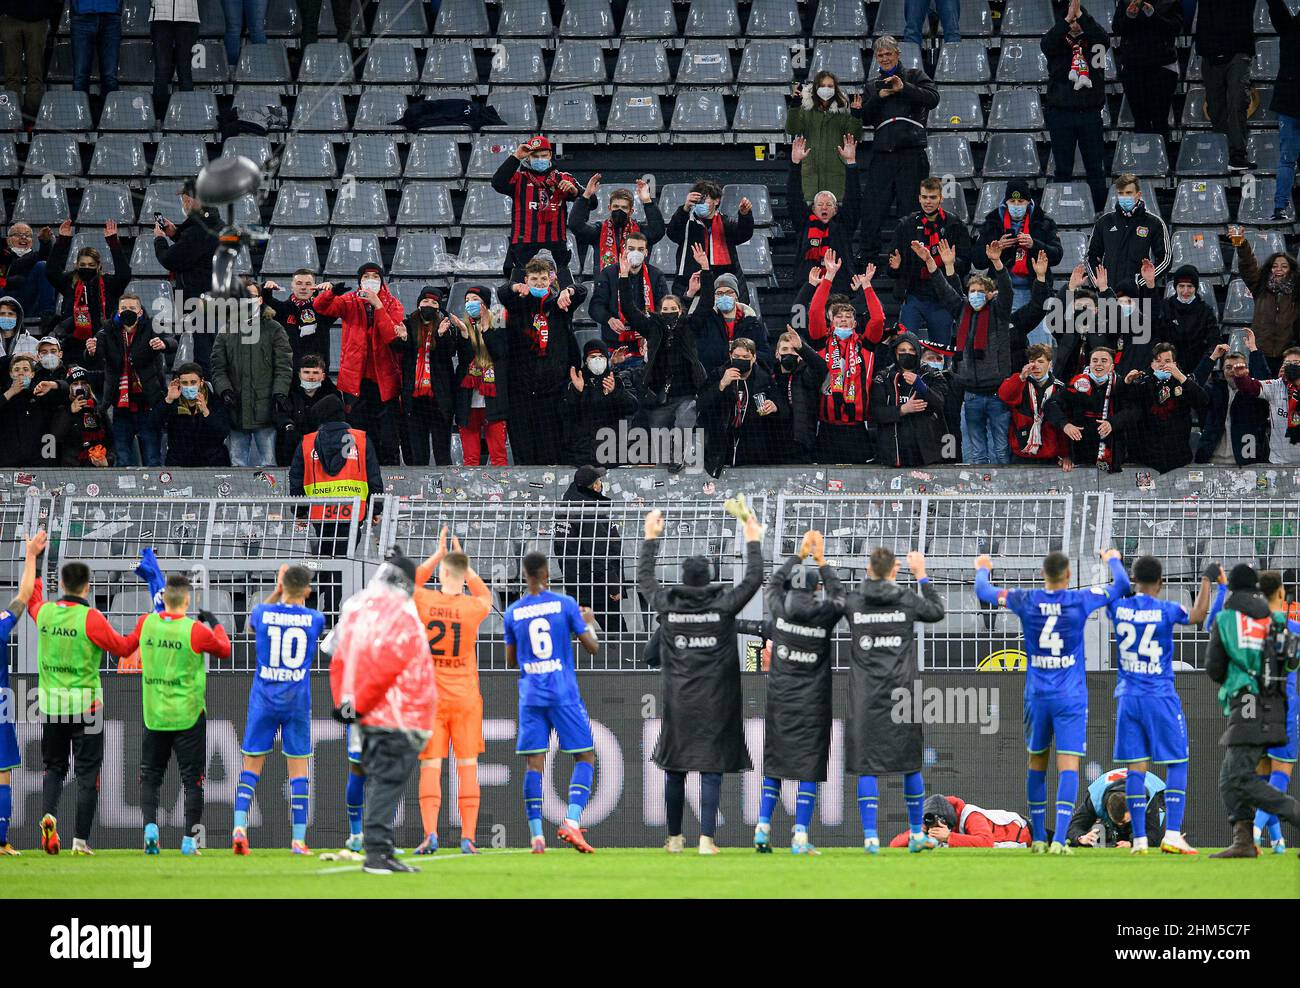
(1235, 660)
(256, 371)
(1242, 638)
(824, 130)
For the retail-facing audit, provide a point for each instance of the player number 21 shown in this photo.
(439, 632)
(288, 646)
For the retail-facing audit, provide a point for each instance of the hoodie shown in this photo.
(824, 130)
(19, 341)
(590, 410)
(368, 332)
(1192, 327)
(914, 439)
(328, 446)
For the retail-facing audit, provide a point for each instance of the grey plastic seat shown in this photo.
(1268, 58)
(287, 252)
(635, 111)
(485, 157)
(144, 262)
(104, 201)
(1264, 148)
(378, 108)
(840, 19)
(579, 63)
(451, 63)
(118, 156)
(1200, 202)
(128, 110)
(360, 204)
(517, 108)
(950, 154)
(705, 63)
(320, 110)
(1011, 155)
(1141, 154)
(1148, 190)
(525, 19)
(1264, 115)
(758, 197)
(958, 109)
(1016, 109)
(1069, 204)
(765, 63)
(518, 64)
(433, 156)
(699, 112)
(326, 63)
(250, 146)
(484, 206)
(421, 255)
(1258, 208)
(713, 19)
(268, 63)
(992, 193)
(976, 20)
(267, 104)
(135, 18)
(1263, 243)
(246, 211)
(1027, 18)
(957, 206)
(844, 58)
(425, 204)
(462, 19)
(53, 154)
(11, 114)
(191, 112)
(1074, 246)
(642, 63)
(890, 18)
(392, 63)
(308, 156)
(1199, 248)
(348, 251)
(95, 239)
(39, 209)
(213, 69)
(760, 112)
(162, 197)
(301, 204)
(571, 110)
(755, 258)
(1239, 305)
(1022, 63)
(774, 19)
(134, 64)
(179, 156)
(1263, 20)
(400, 19)
(64, 110)
(154, 294)
(1194, 113)
(587, 19)
(373, 156)
(964, 63)
(1203, 154)
(482, 252)
(649, 19)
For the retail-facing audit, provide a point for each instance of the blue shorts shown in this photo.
(9, 754)
(1150, 729)
(265, 721)
(1064, 718)
(1283, 753)
(569, 721)
(354, 744)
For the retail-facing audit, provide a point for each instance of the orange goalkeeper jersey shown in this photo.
(451, 623)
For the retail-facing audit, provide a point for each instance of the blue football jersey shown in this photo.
(287, 637)
(7, 621)
(539, 627)
(1053, 622)
(1144, 632)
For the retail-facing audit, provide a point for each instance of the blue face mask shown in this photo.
(539, 164)
(726, 303)
(1017, 210)
(189, 391)
(26, 382)
(843, 332)
(1162, 375)
(1098, 378)
(931, 366)
(701, 210)
(1127, 203)
(536, 292)
(8, 322)
(473, 307)
(977, 300)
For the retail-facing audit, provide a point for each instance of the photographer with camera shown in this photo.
(953, 822)
(1251, 653)
(1104, 817)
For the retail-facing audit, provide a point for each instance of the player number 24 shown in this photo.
(1148, 648)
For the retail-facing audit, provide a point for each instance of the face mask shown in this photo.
(1126, 203)
(371, 284)
(50, 361)
(619, 218)
(824, 93)
(189, 391)
(21, 251)
(1162, 375)
(789, 361)
(843, 332)
(635, 257)
(977, 300)
(1185, 301)
(1126, 309)
(908, 361)
(473, 307)
(128, 317)
(1291, 372)
(25, 382)
(669, 315)
(428, 313)
(1017, 210)
(86, 274)
(536, 292)
(932, 366)
(740, 364)
(726, 303)
(8, 323)
(702, 210)
(1098, 378)
(310, 386)
(540, 164)
(1043, 377)
(597, 365)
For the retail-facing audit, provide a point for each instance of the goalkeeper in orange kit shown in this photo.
(451, 620)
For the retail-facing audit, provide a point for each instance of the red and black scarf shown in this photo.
(1020, 267)
(423, 387)
(719, 252)
(128, 385)
(981, 320)
(1033, 440)
(931, 234)
(610, 242)
(818, 239)
(630, 337)
(538, 327)
(844, 398)
(83, 322)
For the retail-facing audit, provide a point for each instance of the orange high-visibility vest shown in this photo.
(350, 481)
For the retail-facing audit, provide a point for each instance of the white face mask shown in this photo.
(310, 386)
(20, 251)
(371, 284)
(825, 93)
(597, 365)
(50, 361)
(635, 257)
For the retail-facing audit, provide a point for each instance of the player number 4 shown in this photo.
(1049, 640)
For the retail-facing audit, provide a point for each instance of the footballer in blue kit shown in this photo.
(1056, 690)
(1149, 723)
(279, 703)
(10, 757)
(538, 628)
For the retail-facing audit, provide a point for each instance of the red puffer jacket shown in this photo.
(367, 333)
(1015, 394)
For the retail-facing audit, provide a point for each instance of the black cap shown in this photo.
(401, 561)
(594, 346)
(697, 571)
(587, 476)
(1243, 577)
(370, 266)
(189, 187)
(430, 291)
(328, 409)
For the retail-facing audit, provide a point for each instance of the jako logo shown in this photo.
(75, 942)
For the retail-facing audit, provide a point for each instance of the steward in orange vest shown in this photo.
(333, 462)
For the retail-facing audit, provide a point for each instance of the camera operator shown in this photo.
(1250, 654)
(953, 822)
(1106, 811)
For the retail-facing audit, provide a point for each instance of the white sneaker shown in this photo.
(707, 846)
(675, 845)
(1141, 845)
(1176, 843)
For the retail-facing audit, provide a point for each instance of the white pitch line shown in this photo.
(431, 860)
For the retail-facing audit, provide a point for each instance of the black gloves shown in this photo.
(282, 404)
(344, 715)
(208, 618)
(1212, 572)
(230, 400)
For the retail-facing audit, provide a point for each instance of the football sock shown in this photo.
(430, 798)
(6, 810)
(914, 797)
(868, 800)
(1175, 797)
(1066, 789)
(710, 799)
(767, 800)
(298, 804)
(533, 801)
(467, 798)
(355, 797)
(1135, 794)
(1036, 790)
(1264, 821)
(675, 801)
(803, 807)
(580, 789)
(244, 797)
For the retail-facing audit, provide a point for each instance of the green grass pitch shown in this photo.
(737, 873)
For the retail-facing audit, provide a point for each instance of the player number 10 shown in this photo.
(288, 646)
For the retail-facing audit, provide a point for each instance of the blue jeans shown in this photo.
(985, 429)
(925, 311)
(252, 447)
(915, 13)
(95, 34)
(127, 428)
(1020, 294)
(1289, 150)
(239, 15)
